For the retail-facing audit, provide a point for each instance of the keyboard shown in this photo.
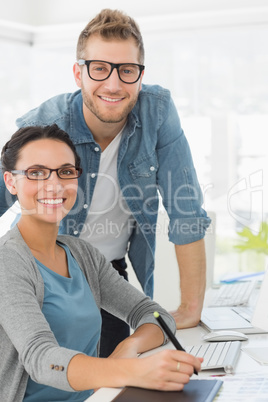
(232, 294)
(217, 355)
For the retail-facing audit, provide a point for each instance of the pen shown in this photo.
(169, 333)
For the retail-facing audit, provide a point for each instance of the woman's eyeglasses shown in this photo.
(44, 173)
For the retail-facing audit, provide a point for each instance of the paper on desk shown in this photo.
(244, 389)
(259, 354)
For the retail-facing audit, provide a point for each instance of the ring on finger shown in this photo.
(178, 366)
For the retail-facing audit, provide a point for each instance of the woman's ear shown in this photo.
(10, 183)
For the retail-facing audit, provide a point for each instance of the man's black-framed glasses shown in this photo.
(99, 70)
(44, 173)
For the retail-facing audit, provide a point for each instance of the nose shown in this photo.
(53, 182)
(113, 83)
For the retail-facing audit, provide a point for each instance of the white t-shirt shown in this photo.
(109, 222)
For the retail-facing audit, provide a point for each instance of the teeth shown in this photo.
(110, 99)
(51, 201)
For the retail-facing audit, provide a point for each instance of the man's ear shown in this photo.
(10, 183)
(77, 74)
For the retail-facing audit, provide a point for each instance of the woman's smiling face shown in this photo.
(46, 200)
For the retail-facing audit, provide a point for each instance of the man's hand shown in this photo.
(185, 318)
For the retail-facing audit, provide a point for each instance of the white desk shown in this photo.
(246, 366)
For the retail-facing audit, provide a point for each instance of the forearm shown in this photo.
(87, 372)
(146, 337)
(192, 265)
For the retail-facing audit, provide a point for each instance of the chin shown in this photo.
(111, 119)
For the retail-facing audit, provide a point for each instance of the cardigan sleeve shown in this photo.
(23, 322)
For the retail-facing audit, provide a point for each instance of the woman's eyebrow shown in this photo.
(37, 166)
(43, 166)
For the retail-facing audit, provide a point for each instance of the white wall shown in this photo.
(51, 12)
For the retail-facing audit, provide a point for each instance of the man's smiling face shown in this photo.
(111, 100)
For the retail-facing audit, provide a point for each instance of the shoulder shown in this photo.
(154, 93)
(13, 240)
(51, 111)
(153, 101)
(16, 259)
(154, 107)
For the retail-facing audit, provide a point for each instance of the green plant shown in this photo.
(257, 242)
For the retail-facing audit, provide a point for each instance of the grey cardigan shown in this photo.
(27, 345)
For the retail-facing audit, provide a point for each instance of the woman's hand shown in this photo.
(168, 370)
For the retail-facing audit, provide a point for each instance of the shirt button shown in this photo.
(96, 149)
(93, 175)
(152, 168)
(75, 232)
(85, 206)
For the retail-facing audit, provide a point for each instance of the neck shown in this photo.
(103, 133)
(39, 236)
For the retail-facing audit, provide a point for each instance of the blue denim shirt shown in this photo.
(154, 157)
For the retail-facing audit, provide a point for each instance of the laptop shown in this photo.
(240, 318)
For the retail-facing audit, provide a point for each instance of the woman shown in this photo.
(52, 288)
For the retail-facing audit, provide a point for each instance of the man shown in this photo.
(132, 148)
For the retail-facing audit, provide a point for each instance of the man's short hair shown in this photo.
(111, 24)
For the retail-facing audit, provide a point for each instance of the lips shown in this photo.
(105, 98)
(51, 201)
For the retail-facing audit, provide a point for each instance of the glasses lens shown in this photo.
(129, 73)
(69, 172)
(99, 70)
(38, 173)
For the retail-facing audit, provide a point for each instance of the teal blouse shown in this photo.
(71, 311)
